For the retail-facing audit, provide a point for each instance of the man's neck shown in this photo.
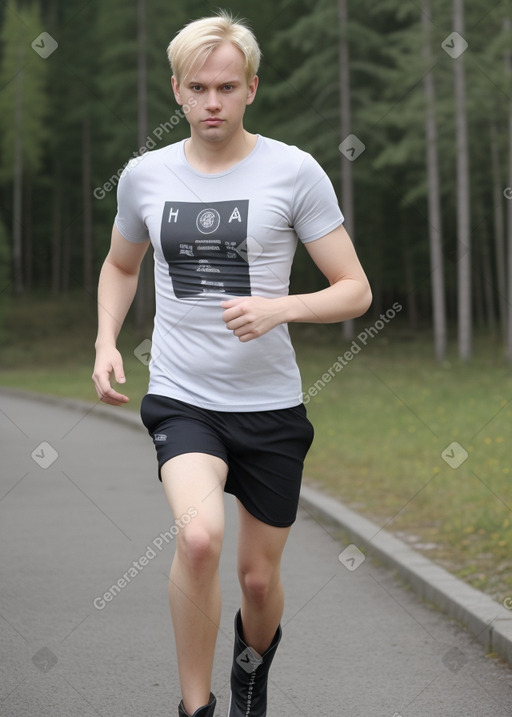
(215, 157)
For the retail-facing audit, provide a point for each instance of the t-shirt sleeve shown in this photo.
(316, 211)
(128, 218)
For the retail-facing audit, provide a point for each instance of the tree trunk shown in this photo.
(484, 270)
(463, 208)
(87, 205)
(488, 286)
(56, 243)
(410, 284)
(499, 229)
(434, 193)
(478, 296)
(508, 61)
(17, 194)
(347, 194)
(403, 231)
(142, 301)
(28, 232)
(67, 238)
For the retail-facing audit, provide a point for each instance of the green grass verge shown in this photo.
(382, 423)
(382, 426)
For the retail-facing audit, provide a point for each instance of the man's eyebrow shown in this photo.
(224, 82)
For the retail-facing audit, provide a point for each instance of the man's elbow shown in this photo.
(364, 301)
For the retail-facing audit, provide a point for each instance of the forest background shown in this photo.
(418, 91)
(407, 104)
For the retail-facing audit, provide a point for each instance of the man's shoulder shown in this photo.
(289, 162)
(149, 161)
(281, 149)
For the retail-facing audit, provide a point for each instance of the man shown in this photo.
(223, 210)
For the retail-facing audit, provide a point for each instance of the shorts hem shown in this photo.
(184, 452)
(258, 516)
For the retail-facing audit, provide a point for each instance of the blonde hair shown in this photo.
(199, 38)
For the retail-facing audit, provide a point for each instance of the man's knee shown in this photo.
(199, 547)
(257, 583)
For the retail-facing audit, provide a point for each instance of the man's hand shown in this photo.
(249, 317)
(108, 360)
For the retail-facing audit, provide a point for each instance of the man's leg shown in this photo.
(257, 628)
(196, 480)
(260, 547)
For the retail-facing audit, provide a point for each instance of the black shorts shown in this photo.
(264, 450)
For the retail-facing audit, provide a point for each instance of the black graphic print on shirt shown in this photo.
(205, 246)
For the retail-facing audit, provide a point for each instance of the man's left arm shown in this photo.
(347, 296)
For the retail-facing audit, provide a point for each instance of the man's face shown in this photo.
(220, 93)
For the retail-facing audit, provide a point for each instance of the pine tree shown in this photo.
(5, 283)
(463, 194)
(434, 190)
(23, 107)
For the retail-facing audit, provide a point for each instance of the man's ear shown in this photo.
(176, 90)
(251, 92)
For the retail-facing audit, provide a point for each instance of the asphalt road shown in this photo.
(81, 507)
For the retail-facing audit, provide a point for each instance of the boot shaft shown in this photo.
(206, 711)
(249, 675)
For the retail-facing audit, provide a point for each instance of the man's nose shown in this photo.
(212, 100)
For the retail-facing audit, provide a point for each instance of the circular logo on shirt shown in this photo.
(208, 221)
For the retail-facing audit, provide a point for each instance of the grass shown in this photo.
(381, 425)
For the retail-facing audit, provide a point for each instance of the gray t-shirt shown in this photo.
(216, 236)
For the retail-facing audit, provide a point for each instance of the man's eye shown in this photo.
(228, 87)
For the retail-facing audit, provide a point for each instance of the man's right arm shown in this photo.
(116, 290)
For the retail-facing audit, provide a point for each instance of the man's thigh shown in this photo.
(260, 546)
(196, 481)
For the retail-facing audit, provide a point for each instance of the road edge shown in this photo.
(486, 619)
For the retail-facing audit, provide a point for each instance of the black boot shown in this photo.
(206, 711)
(249, 675)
